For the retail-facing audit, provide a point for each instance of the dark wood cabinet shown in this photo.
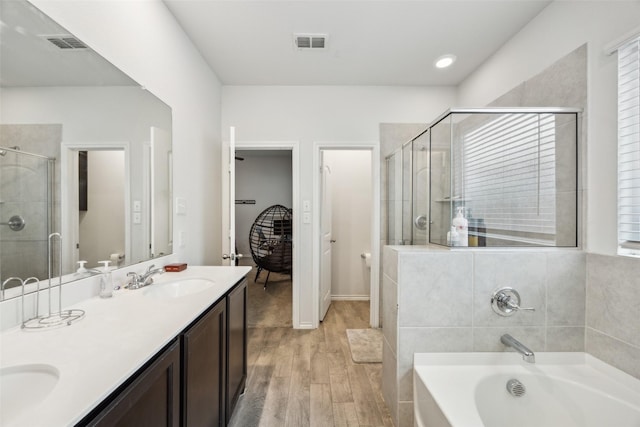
(236, 374)
(152, 399)
(195, 381)
(203, 369)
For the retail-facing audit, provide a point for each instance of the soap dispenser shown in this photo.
(106, 281)
(462, 227)
(81, 268)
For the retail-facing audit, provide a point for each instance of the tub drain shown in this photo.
(516, 388)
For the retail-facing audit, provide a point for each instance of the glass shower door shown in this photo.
(394, 198)
(420, 205)
(407, 194)
(25, 213)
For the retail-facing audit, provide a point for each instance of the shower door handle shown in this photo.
(16, 223)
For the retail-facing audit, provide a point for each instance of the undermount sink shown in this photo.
(179, 288)
(22, 387)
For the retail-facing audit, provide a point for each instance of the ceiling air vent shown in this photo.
(310, 41)
(66, 42)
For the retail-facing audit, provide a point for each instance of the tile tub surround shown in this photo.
(116, 337)
(443, 305)
(613, 307)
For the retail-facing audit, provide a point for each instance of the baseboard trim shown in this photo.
(305, 326)
(350, 297)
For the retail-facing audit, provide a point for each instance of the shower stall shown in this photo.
(512, 173)
(26, 213)
(408, 192)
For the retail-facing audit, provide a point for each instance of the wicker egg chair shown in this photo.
(270, 241)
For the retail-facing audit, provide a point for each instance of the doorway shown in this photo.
(346, 229)
(95, 191)
(101, 210)
(228, 217)
(263, 194)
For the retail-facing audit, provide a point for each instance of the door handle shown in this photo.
(332, 241)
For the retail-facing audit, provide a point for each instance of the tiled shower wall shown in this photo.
(613, 311)
(438, 300)
(392, 136)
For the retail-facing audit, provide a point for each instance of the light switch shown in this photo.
(181, 206)
(137, 206)
(306, 206)
(137, 217)
(306, 218)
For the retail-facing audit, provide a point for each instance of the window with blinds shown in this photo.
(629, 148)
(510, 175)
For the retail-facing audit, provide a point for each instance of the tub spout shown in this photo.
(527, 355)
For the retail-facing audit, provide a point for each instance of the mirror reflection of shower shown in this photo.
(26, 205)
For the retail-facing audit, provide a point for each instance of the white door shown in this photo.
(326, 240)
(161, 193)
(231, 256)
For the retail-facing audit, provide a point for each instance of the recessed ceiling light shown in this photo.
(445, 61)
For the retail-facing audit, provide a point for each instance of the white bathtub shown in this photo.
(562, 390)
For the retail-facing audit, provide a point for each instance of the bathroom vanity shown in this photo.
(172, 353)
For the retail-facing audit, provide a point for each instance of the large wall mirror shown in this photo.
(85, 152)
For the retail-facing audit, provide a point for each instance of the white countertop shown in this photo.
(115, 338)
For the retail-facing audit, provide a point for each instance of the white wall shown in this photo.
(337, 114)
(265, 178)
(352, 198)
(143, 39)
(557, 30)
(102, 224)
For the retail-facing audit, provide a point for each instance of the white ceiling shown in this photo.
(384, 42)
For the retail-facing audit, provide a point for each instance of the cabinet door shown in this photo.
(203, 347)
(151, 400)
(236, 345)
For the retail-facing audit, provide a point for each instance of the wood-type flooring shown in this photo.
(306, 377)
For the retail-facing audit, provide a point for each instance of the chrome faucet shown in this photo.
(527, 355)
(138, 281)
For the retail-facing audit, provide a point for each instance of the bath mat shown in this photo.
(365, 345)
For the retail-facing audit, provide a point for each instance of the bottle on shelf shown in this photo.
(462, 227)
(453, 238)
(482, 233)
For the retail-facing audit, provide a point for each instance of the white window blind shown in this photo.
(629, 148)
(509, 174)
